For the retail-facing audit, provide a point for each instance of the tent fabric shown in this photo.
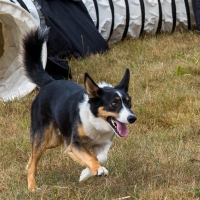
(15, 22)
(28, 5)
(58, 68)
(122, 10)
(141, 17)
(196, 8)
(72, 32)
(55, 67)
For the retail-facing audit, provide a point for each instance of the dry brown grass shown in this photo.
(160, 158)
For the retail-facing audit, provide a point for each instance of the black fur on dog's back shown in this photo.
(32, 56)
(49, 104)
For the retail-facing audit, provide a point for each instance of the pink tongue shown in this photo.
(122, 130)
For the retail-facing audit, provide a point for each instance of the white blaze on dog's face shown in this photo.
(113, 105)
(125, 113)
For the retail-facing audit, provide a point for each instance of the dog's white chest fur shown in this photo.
(95, 128)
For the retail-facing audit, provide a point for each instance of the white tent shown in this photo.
(115, 19)
(15, 21)
(145, 16)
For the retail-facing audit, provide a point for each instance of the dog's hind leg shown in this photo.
(32, 165)
(51, 138)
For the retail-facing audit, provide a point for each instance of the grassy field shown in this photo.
(160, 159)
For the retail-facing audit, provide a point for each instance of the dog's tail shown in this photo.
(33, 43)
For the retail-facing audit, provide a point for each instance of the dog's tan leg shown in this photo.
(51, 139)
(84, 157)
(32, 165)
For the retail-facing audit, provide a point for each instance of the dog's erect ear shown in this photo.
(92, 89)
(124, 83)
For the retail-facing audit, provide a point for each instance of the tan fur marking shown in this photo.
(104, 114)
(81, 131)
(32, 165)
(91, 89)
(52, 139)
(83, 138)
(84, 157)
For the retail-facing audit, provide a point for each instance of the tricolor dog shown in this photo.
(83, 119)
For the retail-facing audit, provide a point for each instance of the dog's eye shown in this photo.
(115, 103)
(129, 103)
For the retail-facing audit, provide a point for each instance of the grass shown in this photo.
(160, 159)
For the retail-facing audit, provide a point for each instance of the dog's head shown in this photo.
(112, 104)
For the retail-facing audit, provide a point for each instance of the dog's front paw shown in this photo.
(35, 190)
(85, 174)
(102, 171)
(32, 187)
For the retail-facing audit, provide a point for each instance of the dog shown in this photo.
(83, 119)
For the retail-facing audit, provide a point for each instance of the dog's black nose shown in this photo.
(131, 119)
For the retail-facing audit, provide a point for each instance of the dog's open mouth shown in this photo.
(119, 128)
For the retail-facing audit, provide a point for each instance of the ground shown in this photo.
(160, 158)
